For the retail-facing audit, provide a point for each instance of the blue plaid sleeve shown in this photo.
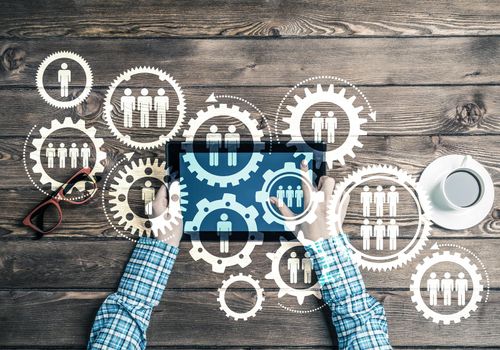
(359, 319)
(123, 318)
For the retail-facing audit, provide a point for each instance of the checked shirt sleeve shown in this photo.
(359, 319)
(123, 318)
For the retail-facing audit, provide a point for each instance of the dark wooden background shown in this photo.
(423, 65)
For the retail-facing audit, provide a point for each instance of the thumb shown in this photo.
(282, 208)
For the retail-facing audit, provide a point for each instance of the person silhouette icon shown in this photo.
(224, 230)
(50, 153)
(85, 154)
(127, 105)
(144, 105)
(73, 153)
(161, 105)
(62, 153)
(433, 288)
(64, 78)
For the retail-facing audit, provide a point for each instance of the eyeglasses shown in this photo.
(35, 219)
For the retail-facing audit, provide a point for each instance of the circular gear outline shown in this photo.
(240, 315)
(284, 288)
(108, 107)
(289, 169)
(242, 258)
(89, 79)
(137, 225)
(223, 180)
(320, 95)
(66, 124)
(428, 262)
(419, 195)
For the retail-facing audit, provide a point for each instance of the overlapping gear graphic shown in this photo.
(70, 56)
(228, 202)
(66, 124)
(402, 178)
(346, 104)
(284, 288)
(127, 76)
(119, 191)
(271, 177)
(240, 315)
(446, 257)
(223, 180)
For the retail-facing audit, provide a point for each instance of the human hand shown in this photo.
(161, 209)
(318, 229)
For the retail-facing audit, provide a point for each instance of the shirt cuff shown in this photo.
(147, 271)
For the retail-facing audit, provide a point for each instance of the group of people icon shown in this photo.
(379, 198)
(294, 264)
(64, 78)
(379, 231)
(289, 195)
(62, 152)
(144, 104)
(215, 142)
(320, 123)
(447, 286)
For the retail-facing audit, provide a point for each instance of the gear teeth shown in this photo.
(222, 294)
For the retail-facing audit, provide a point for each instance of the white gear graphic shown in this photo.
(270, 215)
(108, 107)
(222, 297)
(66, 124)
(420, 197)
(440, 257)
(284, 288)
(319, 96)
(242, 258)
(136, 224)
(64, 55)
(190, 156)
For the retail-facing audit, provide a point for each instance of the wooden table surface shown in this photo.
(421, 63)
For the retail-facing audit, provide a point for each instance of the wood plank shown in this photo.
(71, 314)
(77, 264)
(402, 61)
(402, 110)
(23, 19)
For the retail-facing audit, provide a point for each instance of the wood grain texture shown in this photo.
(25, 19)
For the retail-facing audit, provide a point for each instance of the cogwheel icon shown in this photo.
(446, 257)
(70, 56)
(320, 96)
(190, 156)
(66, 124)
(284, 288)
(127, 76)
(419, 196)
(270, 214)
(238, 315)
(119, 191)
(228, 202)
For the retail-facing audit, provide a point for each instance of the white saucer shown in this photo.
(456, 219)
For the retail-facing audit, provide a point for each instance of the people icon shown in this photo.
(64, 78)
(85, 154)
(331, 126)
(461, 286)
(447, 287)
(393, 234)
(366, 200)
(161, 105)
(393, 200)
(62, 153)
(144, 105)
(317, 126)
(213, 143)
(232, 142)
(289, 194)
(50, 153)
(380, 199)
(433, 285)
(127, 105)
(307, 267)
(280, 194)
(224, 230)
(148, 196)
(293, 267)
(299, 196)
(73, 153)
(366, 232)
(379, 232)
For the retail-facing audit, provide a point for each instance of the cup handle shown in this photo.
(465, 160)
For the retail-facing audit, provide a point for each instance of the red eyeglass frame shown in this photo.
(56, 199)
